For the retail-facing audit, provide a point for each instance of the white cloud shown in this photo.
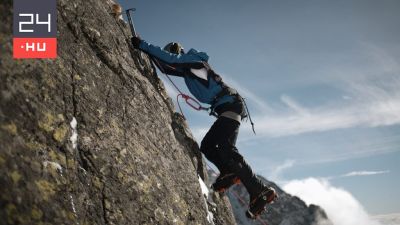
(378, 113)
(388, 219)
(292, 104)
(341, 207)
(373, 106)
(354, 174)
(259, 102)
(364, 173)
(277, 171)
(353, 148)
(345, 97)
(372, 98)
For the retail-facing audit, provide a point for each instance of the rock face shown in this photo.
(92, 137)
(288, 210)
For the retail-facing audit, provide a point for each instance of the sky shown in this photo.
(321, 79)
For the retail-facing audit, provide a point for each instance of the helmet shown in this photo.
(174, 48)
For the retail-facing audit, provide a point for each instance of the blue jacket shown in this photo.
(203, 83)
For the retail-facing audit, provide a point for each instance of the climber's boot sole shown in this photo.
(223, 184)
(258, 205)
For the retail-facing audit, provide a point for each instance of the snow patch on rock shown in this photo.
(74, 136)
(205, 192)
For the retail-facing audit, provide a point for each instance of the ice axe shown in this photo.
(132, 26)
(128, 15)
(133, 30)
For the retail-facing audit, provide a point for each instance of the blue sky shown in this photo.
(321, 78)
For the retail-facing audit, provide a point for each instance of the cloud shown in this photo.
(341, 207)
(379, 107)
(388, 219)
(277, 171)
(292, 104)
(364, 173)
(259, 102)
(355, 174)
(372, 99)
(345, 97)
(344, 149)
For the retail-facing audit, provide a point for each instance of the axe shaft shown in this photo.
(131, 25)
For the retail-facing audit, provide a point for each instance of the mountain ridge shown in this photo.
(286, 210)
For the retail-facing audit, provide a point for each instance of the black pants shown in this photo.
(219, 148)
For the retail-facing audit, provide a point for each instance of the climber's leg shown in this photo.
(209, 146)
(234, 160)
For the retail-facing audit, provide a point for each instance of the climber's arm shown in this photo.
(168, 58)
(172, 64)
(170, 70)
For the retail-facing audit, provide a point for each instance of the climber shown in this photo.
(218, 145)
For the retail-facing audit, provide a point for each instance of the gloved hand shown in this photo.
(136, 41)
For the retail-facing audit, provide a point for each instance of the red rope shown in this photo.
(188, 99)
(236, 194)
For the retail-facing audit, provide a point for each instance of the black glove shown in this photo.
(136, 41)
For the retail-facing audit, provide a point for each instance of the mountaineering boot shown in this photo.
(223, 182)
(258, 203)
